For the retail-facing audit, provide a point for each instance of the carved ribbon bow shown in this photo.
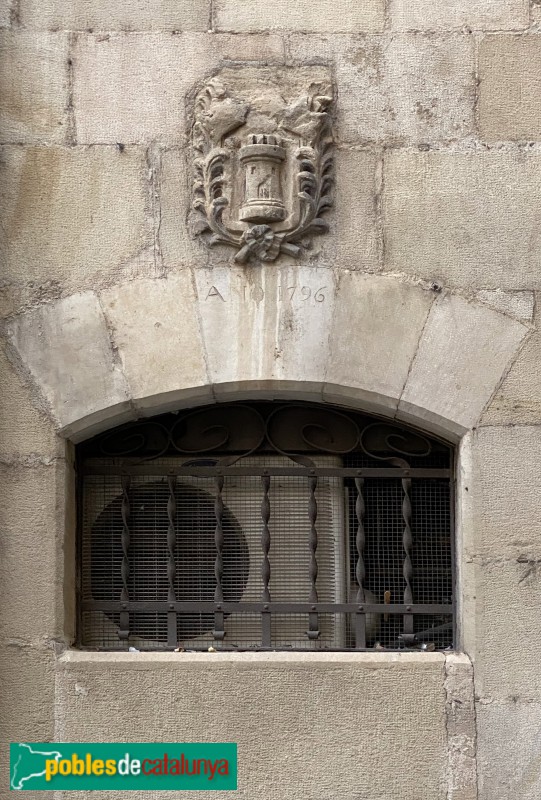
(260, 240)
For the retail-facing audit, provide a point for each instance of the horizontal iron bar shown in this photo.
(225, 648)
(211, 472)
(275, 608)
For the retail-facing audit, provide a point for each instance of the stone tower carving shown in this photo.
(262, 158)
(262, 142)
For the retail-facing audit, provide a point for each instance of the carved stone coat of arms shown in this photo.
(262, 142)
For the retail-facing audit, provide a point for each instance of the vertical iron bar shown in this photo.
(171, 563)
(360, 570)
(265, 565)
(218, 631)
(81, 496)
(124, 623)
(313, 622)
(407, 542)
(457, 644)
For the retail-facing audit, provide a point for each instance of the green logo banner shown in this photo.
(78, 766)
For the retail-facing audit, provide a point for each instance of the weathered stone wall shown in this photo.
(312, 744)
(426, 311)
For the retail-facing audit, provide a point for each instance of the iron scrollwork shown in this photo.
(236, 431)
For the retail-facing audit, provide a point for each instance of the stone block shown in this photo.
(265, 47)
(343, 16)
(33, 514)
(353, 240)
(27, 683)
(156, 334)
(177, 242)
(508, 750)
(460, 708)
(510, 88)
(464, 219)
(399, 89)
(507, 648)
(503, 488)
(375, 331)
(72, 217)
(5, 14)
(125, 15)
(303, 705)
(271, 326)
(25, 428)
(518, 304)
(65, 347)
(33, 87)
(463, 353)
(485, 15)
(132, 87)
(518, 399)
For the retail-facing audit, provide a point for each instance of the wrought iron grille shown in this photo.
(265, 526)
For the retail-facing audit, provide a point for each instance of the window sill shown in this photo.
(144, 660)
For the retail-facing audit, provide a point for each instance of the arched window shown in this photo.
(265, 526)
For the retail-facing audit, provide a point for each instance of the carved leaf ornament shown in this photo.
(263, 169)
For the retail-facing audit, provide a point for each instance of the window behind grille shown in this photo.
(265, 526)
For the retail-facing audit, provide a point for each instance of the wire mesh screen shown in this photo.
(265, 550)
(195, 553)
(384, 555)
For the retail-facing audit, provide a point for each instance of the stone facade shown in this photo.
(419, 303)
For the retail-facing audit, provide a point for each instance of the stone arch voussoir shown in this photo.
(367, 341)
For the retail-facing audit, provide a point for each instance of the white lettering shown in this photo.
(124, 765)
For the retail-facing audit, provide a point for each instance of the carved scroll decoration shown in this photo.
(263, 178)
